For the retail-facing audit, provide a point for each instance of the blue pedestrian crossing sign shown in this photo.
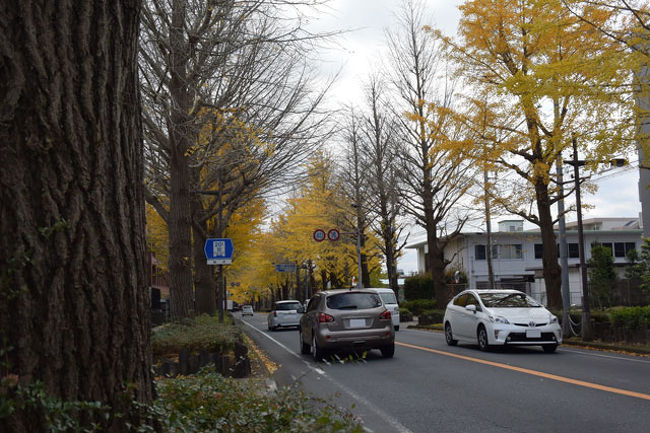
(218, 251)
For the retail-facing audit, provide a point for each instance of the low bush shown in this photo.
(209, 402)
(431, 317)
(203, 333)
(206, 402)
(417, 306)
(405, 315)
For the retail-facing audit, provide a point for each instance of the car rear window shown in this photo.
(388, 298)
(287, 306)
(353, 301)
(506, 300)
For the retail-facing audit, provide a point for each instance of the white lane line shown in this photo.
(389, 419)
(564, 349)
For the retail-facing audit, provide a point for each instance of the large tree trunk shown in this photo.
(551, 268)
(205, 287)
(74, 305)
(180, 137)
(204, 280)
(437, 266)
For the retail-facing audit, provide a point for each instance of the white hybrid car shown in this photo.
(500, 317)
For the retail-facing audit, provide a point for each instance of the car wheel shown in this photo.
(549, 348)
(483, 339)
(388, 351)
(449, 336)
(316, 351)
(304, 348)
(396, 327)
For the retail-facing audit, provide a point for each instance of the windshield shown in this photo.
(287, 306)
(508, 300)
(353, 301)
(388, 298)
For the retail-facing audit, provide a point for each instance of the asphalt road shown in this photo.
(431, 387)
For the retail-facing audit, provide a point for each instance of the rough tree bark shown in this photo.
(74, 306)
(181, 137)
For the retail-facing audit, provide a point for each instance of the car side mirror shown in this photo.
(471, 308)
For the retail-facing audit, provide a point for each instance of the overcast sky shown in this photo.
(359, 53)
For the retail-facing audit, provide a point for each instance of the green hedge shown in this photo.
(405, 315)
(203, 333)
(417, 306)
(431, 317)
(418, 287)
(630, 317)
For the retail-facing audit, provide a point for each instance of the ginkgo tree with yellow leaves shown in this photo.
(317, 204)
(550, 77)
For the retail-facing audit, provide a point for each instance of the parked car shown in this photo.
(247, 310)
(390, 301)
(338, 320)
(500, 317)
(285, 314)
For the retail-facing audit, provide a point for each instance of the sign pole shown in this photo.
(222, 293)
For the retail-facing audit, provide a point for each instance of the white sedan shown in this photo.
(500, 317)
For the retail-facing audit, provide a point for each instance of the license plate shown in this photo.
(357, 323)
(533, 333)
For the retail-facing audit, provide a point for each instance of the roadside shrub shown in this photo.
(417, 306)
(431, 317)
(405, 315)
(418, 287)
(209, 402)
(203, 333)
(631, 317)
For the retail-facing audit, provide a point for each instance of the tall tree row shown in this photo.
(73, 296)
(438, 177)
(230, 112)
(381, 150)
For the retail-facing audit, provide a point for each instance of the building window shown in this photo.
(506, 252)
(622, 248)
(539, 250)
(479, 252)
(574, 251)
(605, 244)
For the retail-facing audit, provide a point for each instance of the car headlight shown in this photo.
(499, 319)
(553, 319)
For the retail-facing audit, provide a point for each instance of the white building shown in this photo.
(517, 254)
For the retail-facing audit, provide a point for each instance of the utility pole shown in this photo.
(586, 316)
(564, 261)
(359, 265)
(488, 224)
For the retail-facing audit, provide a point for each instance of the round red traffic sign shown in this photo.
(333, 235)
(319, 235)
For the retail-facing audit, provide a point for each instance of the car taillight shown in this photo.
(323, 317)
(385, 315)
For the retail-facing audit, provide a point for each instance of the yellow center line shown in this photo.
(533, 372)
